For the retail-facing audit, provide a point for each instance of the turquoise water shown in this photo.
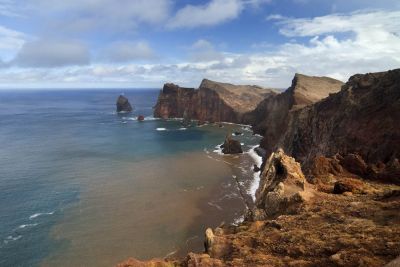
(79, 181)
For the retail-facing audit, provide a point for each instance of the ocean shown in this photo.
(81, 185)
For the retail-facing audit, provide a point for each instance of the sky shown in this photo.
(146, 43)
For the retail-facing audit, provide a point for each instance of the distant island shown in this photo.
(329, 190)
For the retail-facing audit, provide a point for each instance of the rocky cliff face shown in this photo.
(362, 118)
(212, 101)
(272, 115)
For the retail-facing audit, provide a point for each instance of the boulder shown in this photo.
(354, 163)
(140, 118)
(282, 188)
(123, 104)
(352, 185)
(231, 146)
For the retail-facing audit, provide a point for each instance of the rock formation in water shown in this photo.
(212, 101)
(123, 104)
(231, 146)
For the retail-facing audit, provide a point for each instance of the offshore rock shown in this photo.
(231, 146)
(123, 104)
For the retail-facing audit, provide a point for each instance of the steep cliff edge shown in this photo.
(362, 118)
(212, 101)
(272, 115)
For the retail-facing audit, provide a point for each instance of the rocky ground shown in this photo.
(315, 224)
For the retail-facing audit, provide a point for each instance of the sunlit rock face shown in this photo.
(212, 101)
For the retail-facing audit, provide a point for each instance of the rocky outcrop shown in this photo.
(231, 146)
(123, 104)
(212, 101)
(282, 188)
(359, 122)
(272, 115)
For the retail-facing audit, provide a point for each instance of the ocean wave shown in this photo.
(256, 180)
(182, 129)
(238, 221)
(22, 226)
(161, 129)
(11, 238)
(218, 150)
(33, 216)
(214, 205)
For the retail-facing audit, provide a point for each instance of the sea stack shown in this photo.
(123, 104)
(231, 146)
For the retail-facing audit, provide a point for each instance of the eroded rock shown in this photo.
(282, 187)
(123, 104)
(231, 146)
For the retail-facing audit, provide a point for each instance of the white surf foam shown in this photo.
(22, 226)
(161, 129)
(238, 221)
(33, 216)
(11, 238)
(256, 180)
(218, 150)
(182, 129)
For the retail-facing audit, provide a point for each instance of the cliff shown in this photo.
(272, 115)
(362, 118)
(212, 101)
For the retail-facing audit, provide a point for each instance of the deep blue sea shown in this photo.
(81, 185)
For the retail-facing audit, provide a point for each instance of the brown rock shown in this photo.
(282, 186)
(213, 101)
(272, 116)
(363, 118)
(354, 164)
(140, 118)
(231, 146)
(349, 185)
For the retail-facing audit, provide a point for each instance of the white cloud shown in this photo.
(203, 51)
(127, 51)
(358, 22)
(10, 42)
(212, 13)
(52, 53)
(357, 43)
(105, 16)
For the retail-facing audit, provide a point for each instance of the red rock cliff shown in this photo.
(362, 118)
(213, 101)
(272, 115)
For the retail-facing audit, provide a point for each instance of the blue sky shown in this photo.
(145, 43)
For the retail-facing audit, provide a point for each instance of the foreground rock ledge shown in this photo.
(298, 223)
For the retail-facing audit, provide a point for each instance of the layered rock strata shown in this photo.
(212, 101)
